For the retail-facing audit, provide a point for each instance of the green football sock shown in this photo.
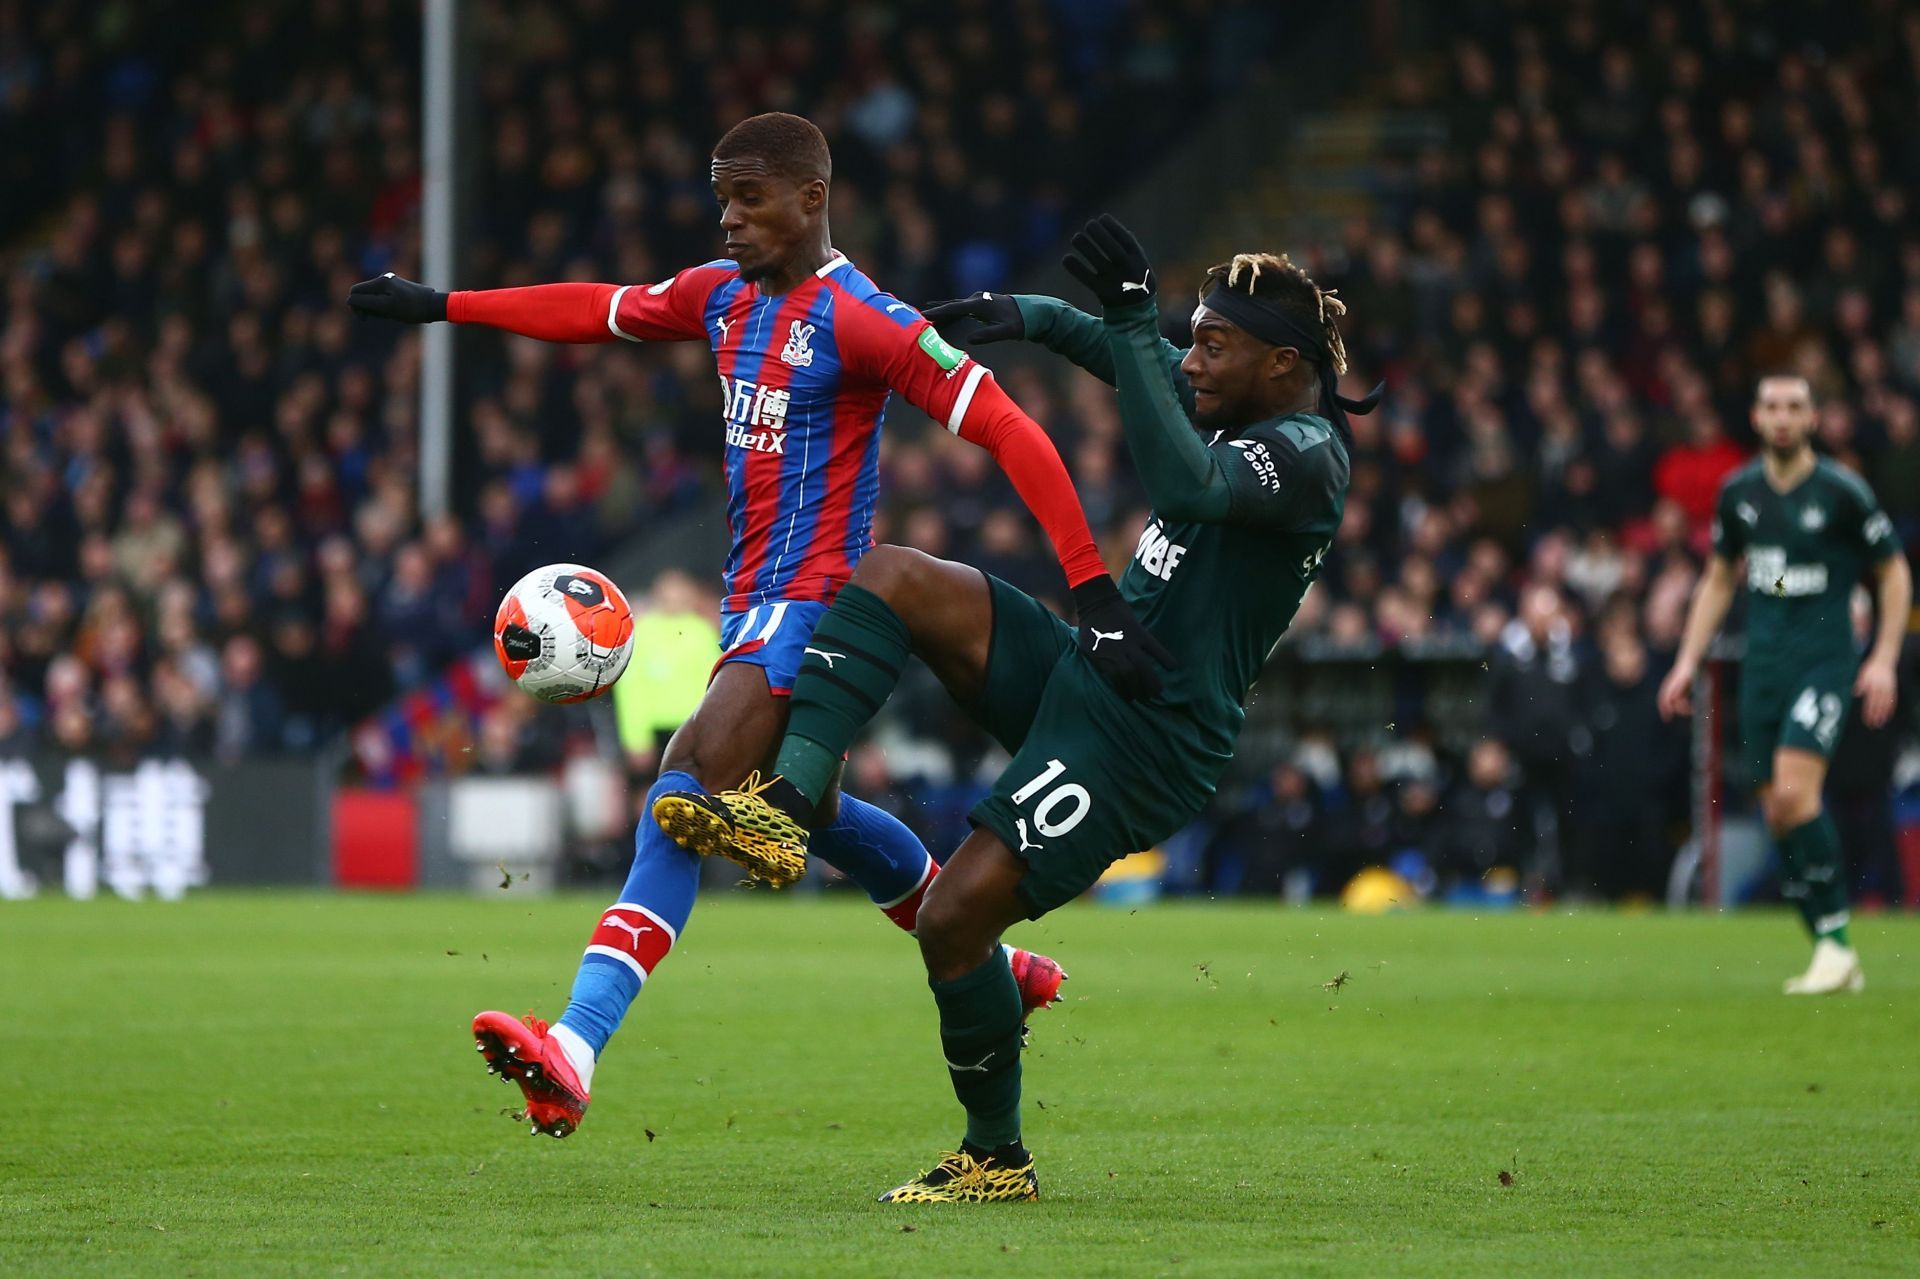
(850, 668)
(1815, 878)
(980, 1037)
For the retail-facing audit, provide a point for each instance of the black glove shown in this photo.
(998, 314)
(1107, 259)
(1119, 644)
(391, 298)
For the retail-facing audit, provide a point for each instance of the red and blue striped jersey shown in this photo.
(804, 380)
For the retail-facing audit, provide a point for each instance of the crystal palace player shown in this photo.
(1807, 527)
(1244, 508)
(808, 350)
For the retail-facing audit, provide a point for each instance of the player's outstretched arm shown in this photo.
(1711, 600)
(1183, 478)
(1060, 326)
(962, 393)
(566, 312)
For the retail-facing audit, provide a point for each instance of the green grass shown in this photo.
(283, 1084)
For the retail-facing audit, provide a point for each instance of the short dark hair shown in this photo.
(790, 145)
(1276, 277)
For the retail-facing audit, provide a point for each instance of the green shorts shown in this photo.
(1093, 778)
(1804, 708)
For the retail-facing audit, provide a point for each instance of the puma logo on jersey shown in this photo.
(723, 324)
(1157, 553)
(1026, 845)
(1115, 636)
(980, 1065)
(824, 656)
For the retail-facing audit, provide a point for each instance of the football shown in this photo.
(564, 633)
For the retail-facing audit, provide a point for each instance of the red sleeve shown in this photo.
(669, 311)
(961, 394)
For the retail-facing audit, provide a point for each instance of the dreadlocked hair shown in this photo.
(1275, 276)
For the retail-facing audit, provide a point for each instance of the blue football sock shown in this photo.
(636, 932)
(875, 850)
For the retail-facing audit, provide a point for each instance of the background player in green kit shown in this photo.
(1241, 445)
(1807, 528)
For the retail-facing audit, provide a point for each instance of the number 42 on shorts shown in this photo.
(1818, 713)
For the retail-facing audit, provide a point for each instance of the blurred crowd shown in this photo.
(1593, 227)
(1617, 219)
(210, 538)
(1596, 227)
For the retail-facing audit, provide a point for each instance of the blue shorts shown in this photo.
(771, 636)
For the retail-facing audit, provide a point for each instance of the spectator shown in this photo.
(251, 714)
(1689, 475)
(1276, 842)
(1361, 828)
(1631, 785)
(1534, 700)
(1481, 825)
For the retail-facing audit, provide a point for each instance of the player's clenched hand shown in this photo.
(1875, 689)
(1119, 644)
(1676, 692)
(1107, 259)
(998, 314)
(392, 298)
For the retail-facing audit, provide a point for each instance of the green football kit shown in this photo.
(1805, 550)
(1241, 522)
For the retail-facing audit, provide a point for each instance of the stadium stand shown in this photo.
(210, 536)
(1571, 350)
(211, 540)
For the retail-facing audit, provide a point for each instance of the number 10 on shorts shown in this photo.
(1047, 817)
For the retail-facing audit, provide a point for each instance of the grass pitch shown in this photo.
(284, 1084)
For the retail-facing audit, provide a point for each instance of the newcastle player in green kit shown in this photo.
(1808, 529)
(1241, 445)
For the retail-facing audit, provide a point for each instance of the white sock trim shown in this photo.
(633, 965)
(579, 1056)
(926, 877)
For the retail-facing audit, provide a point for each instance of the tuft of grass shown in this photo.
(283, 1084)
